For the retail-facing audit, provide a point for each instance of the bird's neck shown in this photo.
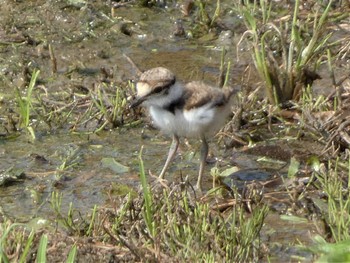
(167, 100)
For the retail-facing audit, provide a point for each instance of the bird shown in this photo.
(191, 110)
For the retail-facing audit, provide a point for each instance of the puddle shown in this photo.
(84, 183)
(285, 238)
(79, 167)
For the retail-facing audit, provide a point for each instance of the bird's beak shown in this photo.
(136, 102)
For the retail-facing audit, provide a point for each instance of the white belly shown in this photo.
(196, 122)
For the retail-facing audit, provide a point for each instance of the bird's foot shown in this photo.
(160, 180)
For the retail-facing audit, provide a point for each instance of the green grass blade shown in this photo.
(25, 104)
(31, 132)
(91, 225)
(313, 44)
(216, 13)
(41, 255)
(27, 247)
(293, 167)
(250, 19)
(6, 231)
(72, 254)
(147, 196)
(29, 93)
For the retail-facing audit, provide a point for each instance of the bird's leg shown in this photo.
(171, 154)
(203, 159)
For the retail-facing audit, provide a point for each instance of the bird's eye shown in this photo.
(157, 89)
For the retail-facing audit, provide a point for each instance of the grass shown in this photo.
(203, 18)
(337, 190)
(41, 256)
(66, 222)
(111, 107)
(286, 75)
(333, 246)
(17, 244)
(25, 104)
(181, 228)
(148, 210)
(102, 108)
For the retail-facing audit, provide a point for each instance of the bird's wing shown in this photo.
(198, 94)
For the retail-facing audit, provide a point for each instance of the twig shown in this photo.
(117, 238)
(139, 72)
(53, 59)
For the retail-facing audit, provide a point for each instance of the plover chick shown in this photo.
(192, 110)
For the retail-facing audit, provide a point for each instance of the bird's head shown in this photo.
(153, 83)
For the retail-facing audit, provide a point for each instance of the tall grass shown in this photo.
(337, 190)
(15, 240)
(334, 182)
(283, 53)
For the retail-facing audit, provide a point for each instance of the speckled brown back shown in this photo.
(198, 93)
